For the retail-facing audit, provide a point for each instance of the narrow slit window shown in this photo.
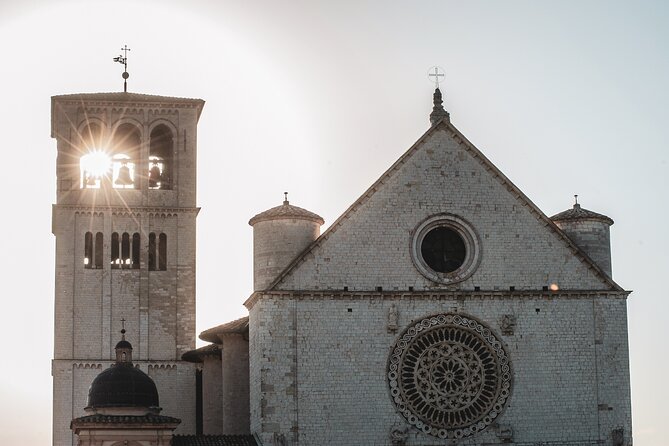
(88, 250)
(99, 239)
(135, 250)
(162, 252)
(152, 251)
(115, 258)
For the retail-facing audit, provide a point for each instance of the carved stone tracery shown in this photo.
(449, 376)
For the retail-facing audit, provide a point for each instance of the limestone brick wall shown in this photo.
(593, 237)
(175, 382)
(319, 364)
(235, 384)
(275, 244)
(158, 306)
(371, 246)
(212, 396)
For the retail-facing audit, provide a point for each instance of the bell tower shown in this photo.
(124, 222)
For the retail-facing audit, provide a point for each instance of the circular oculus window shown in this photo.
(445, 249)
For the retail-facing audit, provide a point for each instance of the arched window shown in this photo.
(115, 258)
(125, 148)
(88, 250)
(93, 250)
(135, 250)
(94, 164)
(125, 250)
(162, 252)
(161, 153)
(152, 251)
(99, 239)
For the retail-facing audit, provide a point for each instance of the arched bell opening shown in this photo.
(125, 149)
(161, 152)
(94, 162)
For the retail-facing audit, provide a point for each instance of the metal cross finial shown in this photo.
(124, 60)
(435, 73)
(123, 327)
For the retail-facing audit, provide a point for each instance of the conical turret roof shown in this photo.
(286, 211)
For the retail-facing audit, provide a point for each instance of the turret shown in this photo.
(279, 235)
(589, 231)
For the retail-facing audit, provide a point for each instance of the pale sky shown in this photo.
(318, 99)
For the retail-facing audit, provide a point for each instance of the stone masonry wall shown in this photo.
(158, 306)
(212, 397)
(371, 246)
(235, 384)
(319, 365)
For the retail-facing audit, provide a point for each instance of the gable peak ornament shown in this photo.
(436, 75)
(124, 60)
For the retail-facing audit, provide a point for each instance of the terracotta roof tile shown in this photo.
(578, 213)
(199, 353)
(240, 326)
(213, 440)
(286, 210)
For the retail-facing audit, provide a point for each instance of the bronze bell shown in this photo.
(123, 178)
(154, 176)
(90, 180)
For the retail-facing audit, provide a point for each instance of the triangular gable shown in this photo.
(443, 125)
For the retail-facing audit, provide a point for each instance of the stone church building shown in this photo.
(442, 307)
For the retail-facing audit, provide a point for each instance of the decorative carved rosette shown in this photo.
(449, 376)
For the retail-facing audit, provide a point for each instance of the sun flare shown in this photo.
(96, 163)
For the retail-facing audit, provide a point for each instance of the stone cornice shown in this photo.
(128, 209)
(435, 295)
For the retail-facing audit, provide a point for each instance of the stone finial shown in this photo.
(438, 111)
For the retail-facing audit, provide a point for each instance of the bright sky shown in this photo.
(318, 98)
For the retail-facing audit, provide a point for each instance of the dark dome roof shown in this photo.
(124, 344)
(578, 213)
(287, 211)
(123, 385)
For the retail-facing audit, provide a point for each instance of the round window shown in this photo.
(445, 249)
(449, 376)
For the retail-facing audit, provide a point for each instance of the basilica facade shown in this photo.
(442, 307)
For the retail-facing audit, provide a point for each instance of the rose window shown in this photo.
(449, 376)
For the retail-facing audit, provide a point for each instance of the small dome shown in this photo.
(286, 211)
(578, 213)
(123, 344)
(122, 385)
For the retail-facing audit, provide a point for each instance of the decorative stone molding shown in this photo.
(507, 324)
(399, 435)
(392, 319)
(459, 228)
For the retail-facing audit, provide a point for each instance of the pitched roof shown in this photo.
(198, 354)
(578, 213)
(445, 124)
(213, 440)
(238, 326)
